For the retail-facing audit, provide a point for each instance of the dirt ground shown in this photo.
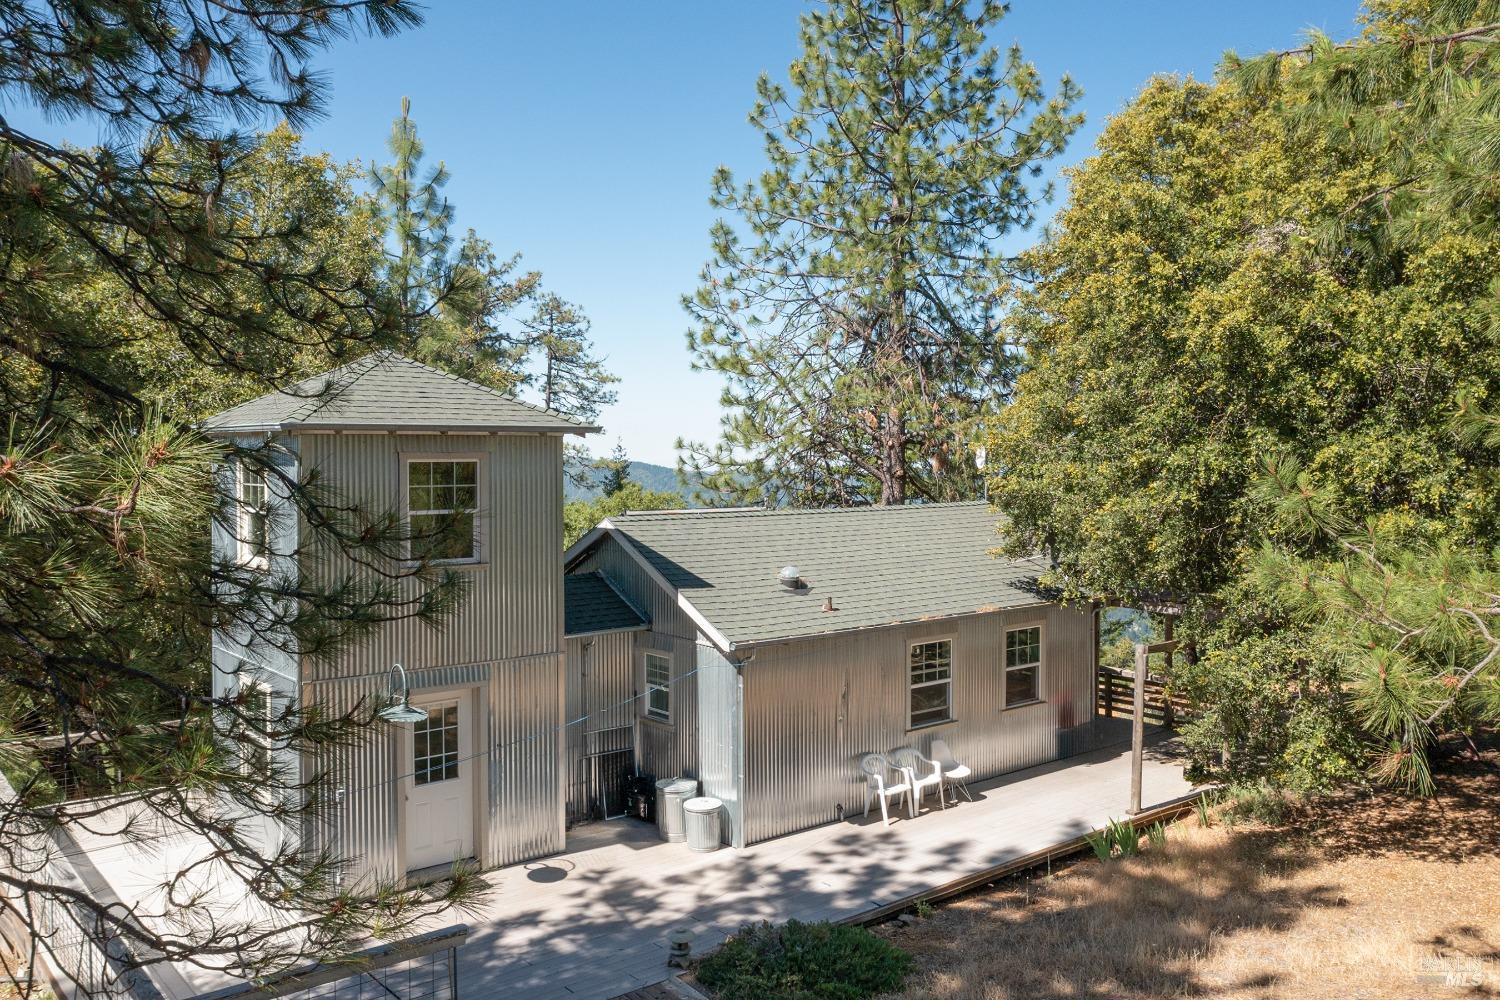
(1374, 896)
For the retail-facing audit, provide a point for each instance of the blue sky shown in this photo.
(584, 136)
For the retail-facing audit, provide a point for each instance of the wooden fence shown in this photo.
(1115, 696)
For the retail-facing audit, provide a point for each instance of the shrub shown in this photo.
(1258, 801)
(799, 961)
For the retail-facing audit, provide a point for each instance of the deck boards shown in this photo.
(593, 921)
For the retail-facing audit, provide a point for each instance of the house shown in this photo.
(389, 434)
(761, 652)
(776, 647)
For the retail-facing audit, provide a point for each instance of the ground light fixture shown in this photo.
(399, 710)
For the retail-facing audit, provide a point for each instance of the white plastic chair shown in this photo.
(877, 770)
(913, 764)
(954, 773)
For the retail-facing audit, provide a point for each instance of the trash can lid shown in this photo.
(702, 804)
(683, 786)
(665, 783)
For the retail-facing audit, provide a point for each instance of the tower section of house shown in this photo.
(780, 646)
(479, 775)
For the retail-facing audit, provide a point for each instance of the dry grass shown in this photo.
(1373, 897)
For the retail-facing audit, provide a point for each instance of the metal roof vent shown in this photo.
(790, 578)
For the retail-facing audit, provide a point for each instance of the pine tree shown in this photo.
(616, 470)
(569, 379)
(107, 594)
(417, 217)
(851, 306)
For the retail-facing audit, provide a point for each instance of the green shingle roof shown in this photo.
(591, 604)
(880, 565)
(386, 392)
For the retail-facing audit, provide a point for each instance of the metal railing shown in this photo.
(424, 967)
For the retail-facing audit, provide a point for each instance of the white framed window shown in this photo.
(259, 709)
(252, 516)
(442, 503)
(659, 686)
(930, 670)
(1023, 665)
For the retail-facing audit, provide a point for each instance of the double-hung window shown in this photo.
(659, 686)
(931, 670)
(1023, 665)
(253, 516)
(259, 714)
(442, 497)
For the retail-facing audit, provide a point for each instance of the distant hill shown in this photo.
(651, 477)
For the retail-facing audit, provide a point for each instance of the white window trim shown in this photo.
(1041, 663)
(952, 641)
(244, 555)
(646, 687)
(481, 500)
(263, 744)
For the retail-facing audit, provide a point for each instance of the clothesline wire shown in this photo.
(494, 748)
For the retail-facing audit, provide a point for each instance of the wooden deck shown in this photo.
(593, 921)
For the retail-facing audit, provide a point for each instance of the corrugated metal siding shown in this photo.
(600, 692)
(504, 643)
(273, 665)
(720, 760)
(666, 749)
(516, 737)
(812, 707)
(514, 607)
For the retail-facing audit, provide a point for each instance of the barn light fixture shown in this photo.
(399, 710)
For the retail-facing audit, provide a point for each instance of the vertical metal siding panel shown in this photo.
(504, 642)
(526, 819)
(719, 733)
(514, 606)
(600, 688)
(813, 707)
(360, 825)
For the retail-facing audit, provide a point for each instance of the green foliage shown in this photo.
(1271, 707)
(1259, 801)
(851, 302)
(569, 379)
(1118, 839)
(417, 218)
(1203, 808)
(616, 469)
(798, 961)
(580, 516)
(1278, 265)
(179, 266)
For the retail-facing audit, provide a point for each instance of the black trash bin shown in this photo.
(640, 797)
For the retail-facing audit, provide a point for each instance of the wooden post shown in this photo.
(1166, 703)
(1138, 728)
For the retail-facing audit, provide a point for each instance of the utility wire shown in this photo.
(542, 734)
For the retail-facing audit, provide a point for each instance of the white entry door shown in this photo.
(440, 784)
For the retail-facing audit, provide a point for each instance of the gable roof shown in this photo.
(880, 565)
(386, 391)
(591, 605)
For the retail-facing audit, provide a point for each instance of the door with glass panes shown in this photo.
(440, 783)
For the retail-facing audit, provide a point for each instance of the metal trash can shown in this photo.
(660, 810)
(669, 800)
(702, 816)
